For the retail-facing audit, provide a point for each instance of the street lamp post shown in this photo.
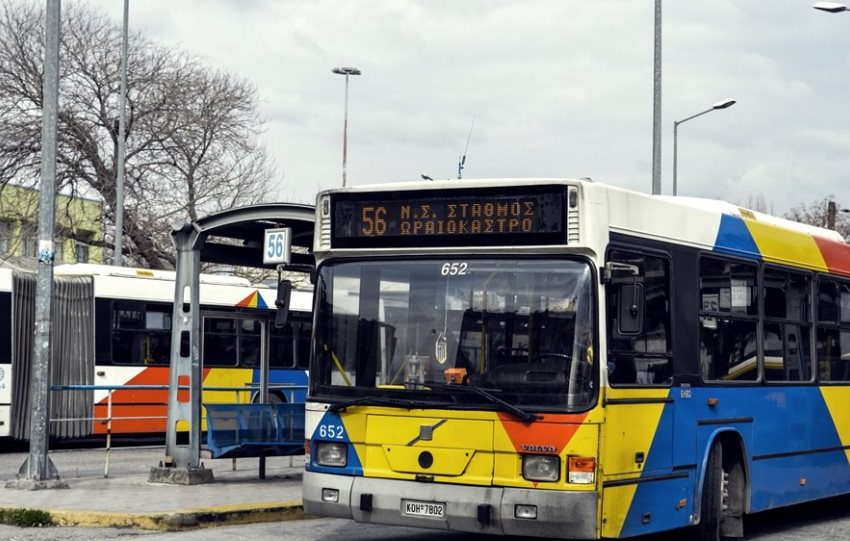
(719, 105)
(831, 7)
(345, 71)
(118, 255)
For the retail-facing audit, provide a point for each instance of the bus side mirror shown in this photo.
(630, 297)
(284, 295)
(630, 309)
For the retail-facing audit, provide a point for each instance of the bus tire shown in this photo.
(711, 507)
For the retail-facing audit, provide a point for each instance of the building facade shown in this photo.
(79, 226)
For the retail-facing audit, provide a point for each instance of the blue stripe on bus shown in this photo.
(328, 430)
(793, 451)
(733, 237)
(656, 496)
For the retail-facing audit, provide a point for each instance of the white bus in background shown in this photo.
(112, 327)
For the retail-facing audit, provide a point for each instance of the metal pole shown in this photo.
(39, 468)
(676, 144)
(117, 257)
(675, 153)
(656, 106)
(345, 133)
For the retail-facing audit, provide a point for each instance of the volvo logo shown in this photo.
(426, 432)
(537, 448)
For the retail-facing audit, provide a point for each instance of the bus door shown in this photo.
(639, 420)
(637, 453)
(235, 355)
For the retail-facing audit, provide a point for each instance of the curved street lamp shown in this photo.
(728, 102)
(345, 71)
(831, 7)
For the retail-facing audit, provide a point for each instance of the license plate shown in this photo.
(423, 509)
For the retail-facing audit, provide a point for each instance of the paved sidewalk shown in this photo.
(127, 499)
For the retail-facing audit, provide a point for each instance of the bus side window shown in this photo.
(281, 353)
(728, 320)
(302, 344)
(220, 341)
(787, 326)
(128, 320)
(833, 330)
(639, 354)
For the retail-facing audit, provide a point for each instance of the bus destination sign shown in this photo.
(531, 215)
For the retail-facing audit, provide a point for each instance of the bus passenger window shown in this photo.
(728, 320)
(220, 341)
(141, 333)
(302, 344)
(643, 358)
(249, 343)
(833, 334)
(787, 326)
(281, 353)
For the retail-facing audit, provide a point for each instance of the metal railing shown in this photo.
(251, 389)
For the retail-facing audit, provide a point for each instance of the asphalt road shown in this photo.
(830, 522)
(821, 521)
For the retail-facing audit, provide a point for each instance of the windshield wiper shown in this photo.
(521, 414)
(382, 401)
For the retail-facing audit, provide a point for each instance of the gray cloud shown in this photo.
(558, 88)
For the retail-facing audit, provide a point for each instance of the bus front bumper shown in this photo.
(490, 510)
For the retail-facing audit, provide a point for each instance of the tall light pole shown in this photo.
(656, 105)
(345, 71)
(38, 470)
(728, 102)
(831, 7)
(117, 257)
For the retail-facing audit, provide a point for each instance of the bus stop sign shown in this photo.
(277, 246)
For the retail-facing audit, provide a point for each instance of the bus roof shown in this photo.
(630, 197)
(90, 269)
(705, 224)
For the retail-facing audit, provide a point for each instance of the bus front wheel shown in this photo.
(711, 507)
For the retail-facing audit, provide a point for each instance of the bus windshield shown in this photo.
(520, 329)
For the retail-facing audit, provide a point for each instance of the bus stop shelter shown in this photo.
(232, 237)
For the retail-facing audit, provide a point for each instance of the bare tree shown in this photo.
(759, 203)
(192, 132)
(816, 213)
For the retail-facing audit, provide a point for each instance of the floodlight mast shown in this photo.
(830, 7)
(345, 71)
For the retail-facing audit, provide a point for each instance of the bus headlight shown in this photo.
(541, 467)
(331, 454)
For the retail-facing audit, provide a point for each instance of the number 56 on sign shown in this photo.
(277, 246)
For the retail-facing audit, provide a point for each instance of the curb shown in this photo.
(182, 520)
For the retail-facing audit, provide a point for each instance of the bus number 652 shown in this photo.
(454, 269)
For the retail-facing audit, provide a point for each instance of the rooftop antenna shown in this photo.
(462, 159)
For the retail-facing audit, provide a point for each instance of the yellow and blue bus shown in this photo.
(561, 358)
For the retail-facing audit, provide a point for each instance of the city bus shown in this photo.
(566, 359)
(112, 329)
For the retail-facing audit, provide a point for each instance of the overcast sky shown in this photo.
(558, 88)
